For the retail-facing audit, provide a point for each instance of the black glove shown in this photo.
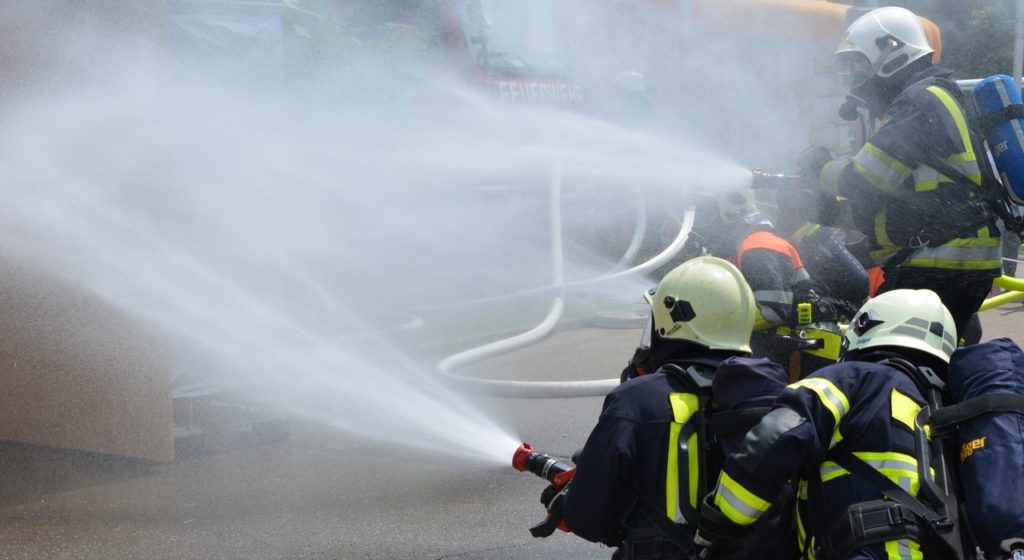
(553, 501)
(548, 495)
(716, 532)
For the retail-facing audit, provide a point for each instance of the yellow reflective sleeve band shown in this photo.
(831, 397)
(828, 178)
(904, 409)
(903, 549)
(684, 405)
(740, 505)
(803, 232)
(897, 467)
(883, 171)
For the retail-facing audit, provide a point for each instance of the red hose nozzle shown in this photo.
(543, 465)
(522, 456)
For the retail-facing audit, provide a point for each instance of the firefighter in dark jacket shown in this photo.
(729, 225)
(864, 405)
(637, 483)
(912, 186)
(840, 276)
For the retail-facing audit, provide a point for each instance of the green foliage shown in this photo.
(977, 35)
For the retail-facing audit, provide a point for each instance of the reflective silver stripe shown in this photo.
(879, 173)
(830, 396)
(917, 322)
(969, 168)
(903, 550)
(910, 331)
(836, 400)
(829, 177)
(830, 468)
(800, 274)
(774, 296)
(925, 178)
(770, 315)
(736, 503)
(960, 254)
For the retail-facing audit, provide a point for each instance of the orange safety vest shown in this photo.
(770, 241)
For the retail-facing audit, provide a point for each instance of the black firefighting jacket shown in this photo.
(864, 407)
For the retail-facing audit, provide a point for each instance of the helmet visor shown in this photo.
(854, 67)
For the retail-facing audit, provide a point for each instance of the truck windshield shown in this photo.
(525, 38)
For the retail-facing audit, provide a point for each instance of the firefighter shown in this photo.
(637, 483)
(864, 405)
(840, 275)
(729, 225)
(912, 186)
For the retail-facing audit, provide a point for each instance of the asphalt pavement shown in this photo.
(323, 494)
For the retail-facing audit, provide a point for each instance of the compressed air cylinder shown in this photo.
(1006, 139)
(991, 446)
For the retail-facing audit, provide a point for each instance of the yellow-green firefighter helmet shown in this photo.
(706, 301)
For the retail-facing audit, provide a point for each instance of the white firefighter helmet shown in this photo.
(705, 300)
(732, 206)
(881, 43)
(914, 319)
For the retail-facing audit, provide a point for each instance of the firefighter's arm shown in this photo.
(797, 432)
(770, 274)
(594, 500)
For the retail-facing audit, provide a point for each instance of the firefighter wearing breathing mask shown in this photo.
(651, 456)
(862, 410)
(795, 317)
(912, 187)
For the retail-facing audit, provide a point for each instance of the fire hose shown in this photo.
(551, 389)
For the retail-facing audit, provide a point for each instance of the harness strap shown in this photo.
(888, 488)
(672, 531)
(1008, 113)
(977, 406)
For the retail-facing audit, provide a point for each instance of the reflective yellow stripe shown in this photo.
(958, 118)
(803, 232)
(740, 505)
(683, 407)
(926, 179)
(903, 549)
(831, 397)
(897, 467)
(829, 176)
(969, 253)
(883, 171)
(904, 409)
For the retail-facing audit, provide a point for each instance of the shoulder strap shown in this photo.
(691, 374)
(974, 407)
(924, 377)
(672, 531)
(1008, 113)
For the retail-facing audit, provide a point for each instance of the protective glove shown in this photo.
(811, 161)
(716, 532)
(553, 501)
(548, 495)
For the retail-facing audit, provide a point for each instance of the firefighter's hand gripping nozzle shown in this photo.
(557, 472)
